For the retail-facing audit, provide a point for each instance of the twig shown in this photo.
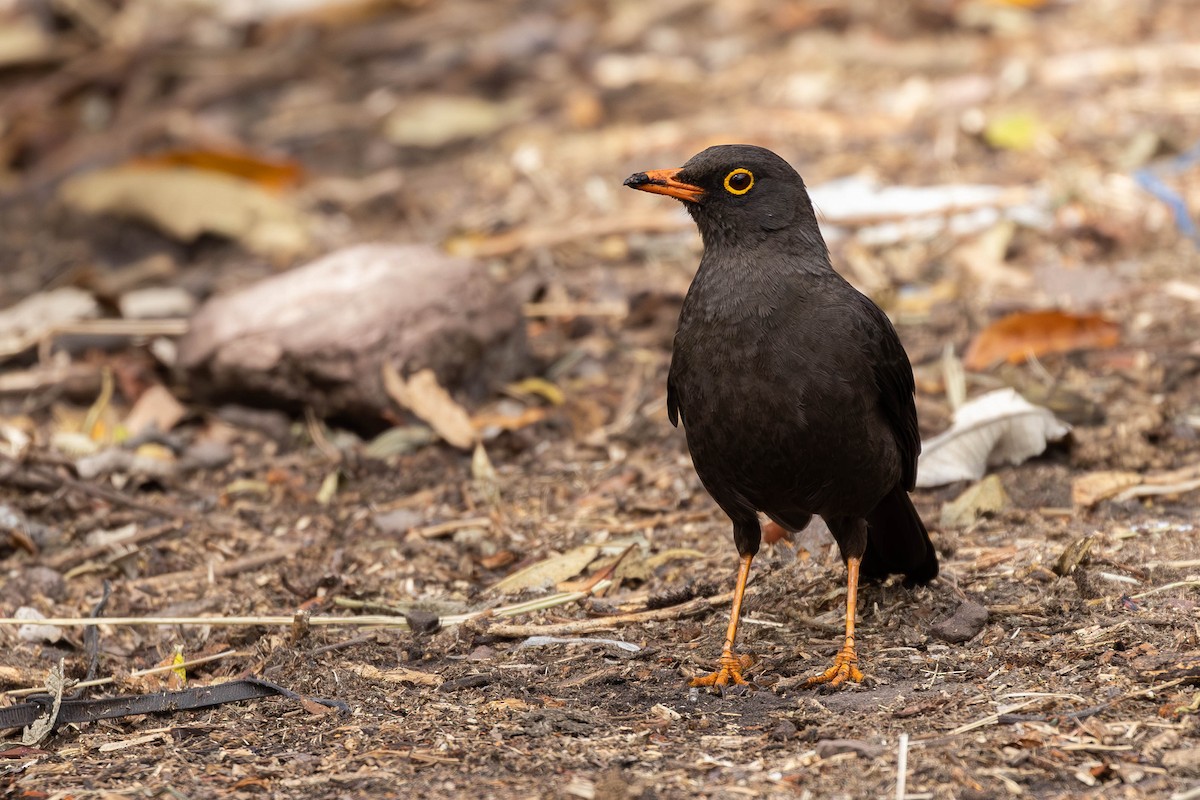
(902, 767)
(1148, 489)
(1187, 794)
(1092, 711)
(443, 528)
(990, 719)
(611, 309)
(137, 673)
(228, 569)
(72, 558)
(948, 578)
(1165, 587)
(1111, 576)
(585, 230)
(1185, 564)
(44, 377)
(279, 620)
(317, 434)
(13, 471)
(96, 327)
(605, 623)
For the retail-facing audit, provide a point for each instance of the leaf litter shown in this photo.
(1075, 683)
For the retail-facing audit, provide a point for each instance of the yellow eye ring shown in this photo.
(739, 181)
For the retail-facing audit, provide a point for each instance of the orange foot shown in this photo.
(730, 671)
(844, 669)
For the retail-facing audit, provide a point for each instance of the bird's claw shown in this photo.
(844, 669)
(729, 671)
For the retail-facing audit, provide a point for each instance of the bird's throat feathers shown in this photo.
(795, 233)
(744, 284)
(751, 272)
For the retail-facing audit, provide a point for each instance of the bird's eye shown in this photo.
(739, 181)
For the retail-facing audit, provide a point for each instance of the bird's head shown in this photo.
(738, 194)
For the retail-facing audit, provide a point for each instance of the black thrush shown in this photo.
(794, 390)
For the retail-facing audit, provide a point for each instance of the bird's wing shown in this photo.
(894, 379)
(672, 393)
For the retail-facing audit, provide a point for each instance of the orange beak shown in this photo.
(664, 181)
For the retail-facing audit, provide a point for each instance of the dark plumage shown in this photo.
(792, 386)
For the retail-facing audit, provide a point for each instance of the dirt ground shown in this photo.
(1083, 682)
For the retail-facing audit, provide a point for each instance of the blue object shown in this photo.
(1150, 179)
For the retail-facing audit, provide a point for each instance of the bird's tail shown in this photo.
(897, 541)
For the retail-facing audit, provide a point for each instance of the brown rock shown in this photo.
(961, 626)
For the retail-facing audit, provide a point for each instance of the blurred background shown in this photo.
(356, 283)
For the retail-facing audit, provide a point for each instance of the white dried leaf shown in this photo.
(1000, 427)
(33, 632)
(24, 324)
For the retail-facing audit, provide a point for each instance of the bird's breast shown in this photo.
(774, 410)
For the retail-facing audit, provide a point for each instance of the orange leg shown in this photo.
(730, 666)
(845, 662)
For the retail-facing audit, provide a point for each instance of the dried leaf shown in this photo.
(329, 487)
(540, 387)
(272, 174)
(481, 466)
(317, 709)
(1017, 131)
(23, 42)
(440, 120)
(1073, 555)
(1000, 427)
(1036, 333)
(985, 497)
(984, 257)
(156, 407)
(490, 425)
(424, 397)
(398, 441)
(177, 677)
(484, 474)
(549, 572)
(185, 203)
(39, 729)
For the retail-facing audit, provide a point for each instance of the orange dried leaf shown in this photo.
(272, 174)
(773, 532)
(1037, 333)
